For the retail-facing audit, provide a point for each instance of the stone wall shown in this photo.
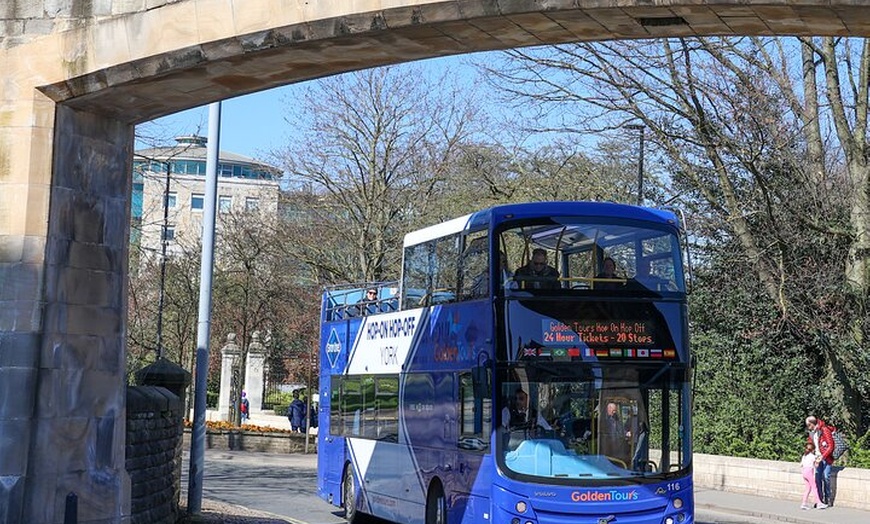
(774, 479)
(234, 440)
(154, 451)
(22, 20)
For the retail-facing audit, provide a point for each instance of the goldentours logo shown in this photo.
(604, 496)
(333, 348)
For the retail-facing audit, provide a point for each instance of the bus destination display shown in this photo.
(598, 333)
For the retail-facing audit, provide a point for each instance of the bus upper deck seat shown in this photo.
(389, 305)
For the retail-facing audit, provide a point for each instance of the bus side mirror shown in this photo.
(481, 383)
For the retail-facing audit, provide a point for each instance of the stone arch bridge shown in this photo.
(76, 75)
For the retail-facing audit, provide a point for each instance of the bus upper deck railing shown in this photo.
(349, 300)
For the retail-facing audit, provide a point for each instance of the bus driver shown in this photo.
(520, 416)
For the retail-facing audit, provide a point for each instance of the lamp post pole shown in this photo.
(641, 130)
(203, 332)
(163, 241)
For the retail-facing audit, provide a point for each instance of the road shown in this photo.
(286, 485)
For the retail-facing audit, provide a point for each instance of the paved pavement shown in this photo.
(285, 485)
(779, 510)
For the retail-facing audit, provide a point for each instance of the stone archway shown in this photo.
(78, 75)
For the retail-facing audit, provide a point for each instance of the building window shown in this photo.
(252, 204)
(225, 204)
(197, 202)
(171, 200)
(169, 234)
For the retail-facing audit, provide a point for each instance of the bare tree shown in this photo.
(767, 149)
(370, 148)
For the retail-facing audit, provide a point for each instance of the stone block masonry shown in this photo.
(776, 479)
(238, 440)
(153, 454)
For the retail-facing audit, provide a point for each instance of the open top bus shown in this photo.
(480, 388)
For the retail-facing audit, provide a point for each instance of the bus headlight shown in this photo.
(521, 507)
(669, 520)
(678, 503)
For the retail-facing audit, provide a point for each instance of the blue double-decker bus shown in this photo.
(531, 366)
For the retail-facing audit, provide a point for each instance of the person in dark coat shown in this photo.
(296, 414)
(537, 274)
(614, 436)
(822, 438)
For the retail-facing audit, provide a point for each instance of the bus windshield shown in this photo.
(575, 421)
(568, 254)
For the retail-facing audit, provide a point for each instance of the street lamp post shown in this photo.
(641, 130)
(163, 241)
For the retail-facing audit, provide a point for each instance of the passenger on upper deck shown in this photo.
(368, 303)
(537, 274)
(608, 272)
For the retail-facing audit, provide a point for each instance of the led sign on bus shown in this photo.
(598, 332)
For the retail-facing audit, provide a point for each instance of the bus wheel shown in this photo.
(436, 505)
(348, 494)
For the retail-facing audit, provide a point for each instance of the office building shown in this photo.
(244, 186)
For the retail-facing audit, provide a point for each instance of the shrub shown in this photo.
(858, 455)
(211, 399)
(212, 425)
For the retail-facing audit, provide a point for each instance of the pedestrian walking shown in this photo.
(245, 407)
(823, 441)
(296, 414)
(808, 472)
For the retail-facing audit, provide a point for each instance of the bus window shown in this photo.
(365, 406)
(579, 266)
(368, 422)
(474, 267)
(387, 408)
(444, 269)
(617, 429)
(602, 422)
(624, 255)
(430, 274)
(416, 281)
(666, 438)
(351, 406)
(335, 424)
(644, 258)
(475, 416)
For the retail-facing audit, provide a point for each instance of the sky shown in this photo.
(252, 125)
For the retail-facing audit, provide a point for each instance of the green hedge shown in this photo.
(211, 399)
(858, 455)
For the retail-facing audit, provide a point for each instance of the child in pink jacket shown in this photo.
(808, 471)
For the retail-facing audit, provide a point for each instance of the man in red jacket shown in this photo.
(820, 436)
